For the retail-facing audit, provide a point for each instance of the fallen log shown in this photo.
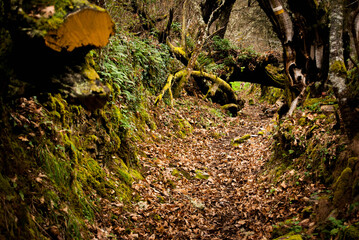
(221, 84)
(50, 46)
(87, 26)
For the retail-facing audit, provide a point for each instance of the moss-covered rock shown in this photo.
(342, 188)
(290, 236)
(240, 140)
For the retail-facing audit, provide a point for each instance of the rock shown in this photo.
(327, 109)
(342, 188)
(198, 204)
(91, 94)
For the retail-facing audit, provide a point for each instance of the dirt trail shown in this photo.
(202, 187)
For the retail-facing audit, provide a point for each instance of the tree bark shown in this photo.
(305, 39)
(347, 89)
(304, 36)
(220, 11)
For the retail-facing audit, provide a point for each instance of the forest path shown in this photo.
(200, 186)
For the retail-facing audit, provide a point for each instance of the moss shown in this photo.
(176, 173)
(342, 187)
(321, 116)
(182, 127)
(180, 173)
(217, 135)
(276, 74)
(351, 233)
(302, 121)
(240, 140)
(271, 94)
(5, 186)
(290, 236)
(125, 176)
(157, 217)
(71, 148)
(58, 107)
(90, 73)
(201, 175)
(339, 68)
(135, 174)
(352, 162)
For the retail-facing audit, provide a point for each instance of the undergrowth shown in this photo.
(60, 162)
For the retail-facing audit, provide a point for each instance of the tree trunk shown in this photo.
(347, 89)
(305, 39)
(220, 11)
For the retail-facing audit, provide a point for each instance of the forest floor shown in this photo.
(198, 185)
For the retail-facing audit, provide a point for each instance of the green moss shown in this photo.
(183, 127)
(217, 135)
(339, 68)
(240, 140)
(351, 233)
(321, 116)
(302, 121)
(276, 74)
(290, 236)
(58, 107)
(342, 187)
(175, 173)
(135, 174)
(161, 199)
(271, 94)
(180, 173)
(307, 211)
(314, 104)
(201, 175)
(125, 176)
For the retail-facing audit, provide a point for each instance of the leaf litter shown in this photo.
(238, 197)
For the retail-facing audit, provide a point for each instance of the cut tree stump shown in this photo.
(85, 27)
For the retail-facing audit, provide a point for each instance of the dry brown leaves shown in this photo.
(239, 200)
